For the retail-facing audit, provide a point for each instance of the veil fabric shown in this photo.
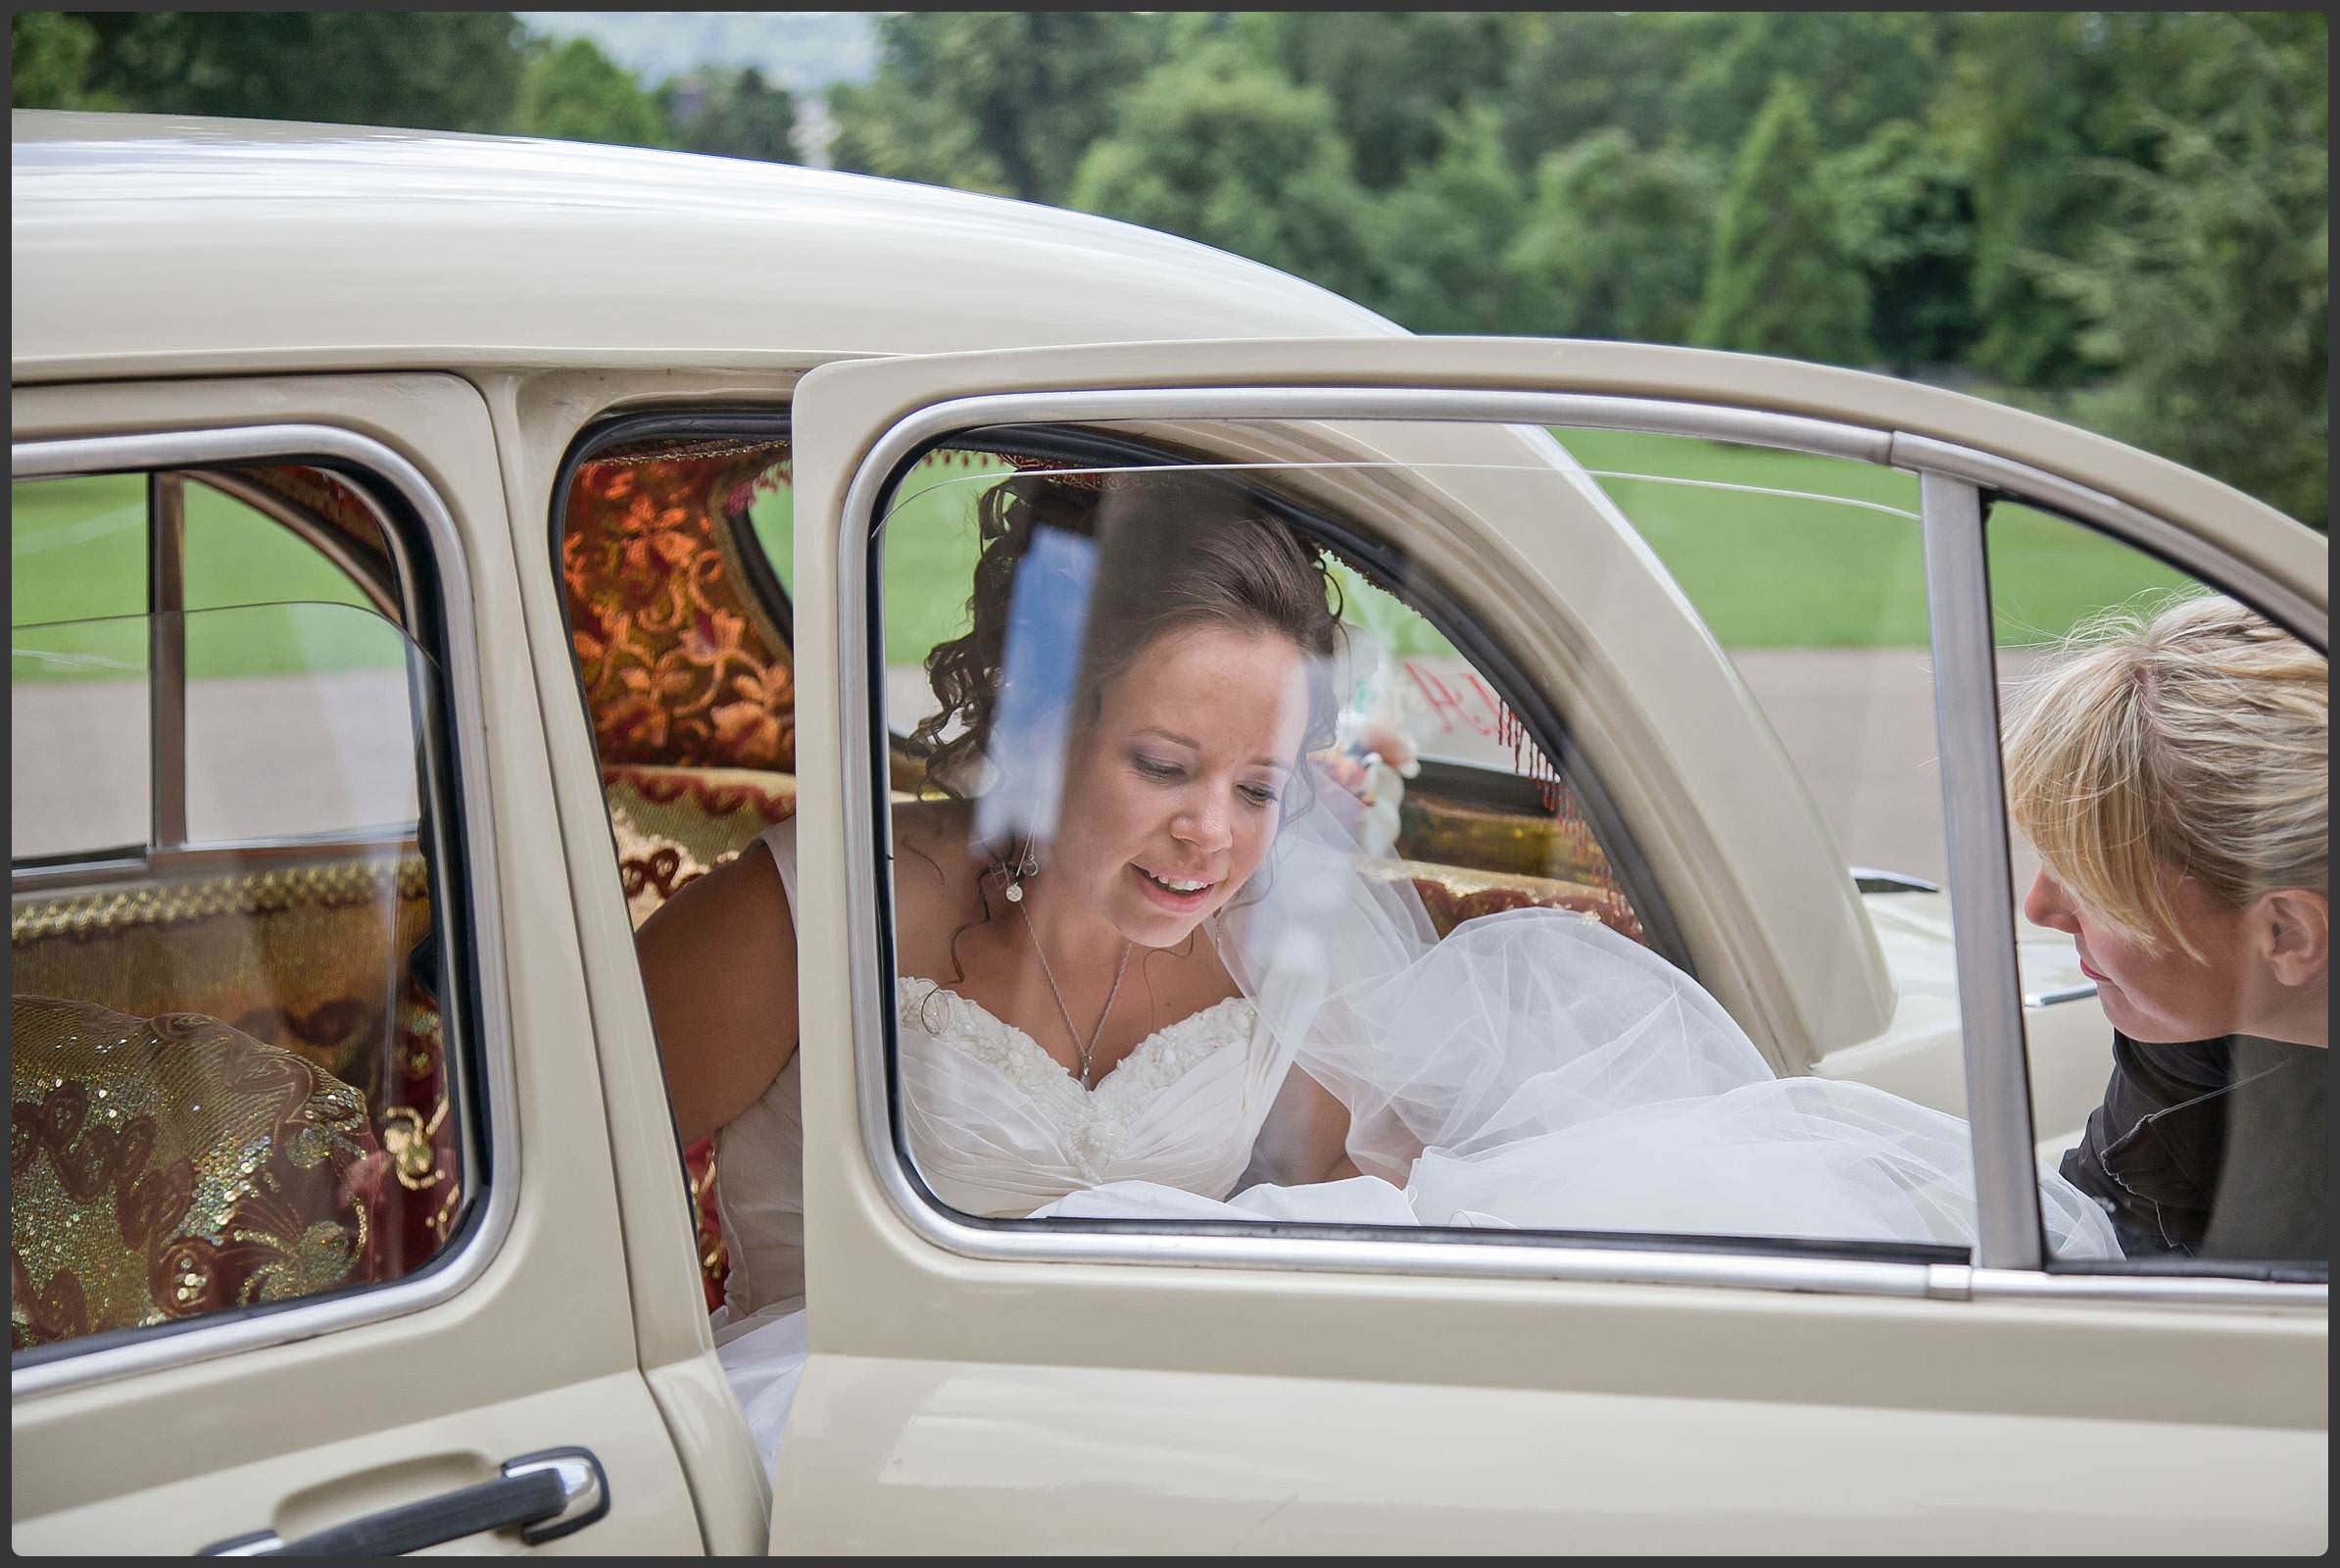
(1537, 1070)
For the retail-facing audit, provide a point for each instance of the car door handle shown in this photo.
(545, 1495)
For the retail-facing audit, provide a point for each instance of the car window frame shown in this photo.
(2007, 1262)
(438, 617)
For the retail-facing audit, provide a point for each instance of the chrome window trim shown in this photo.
(474, 929)
(868, 835)
(1958, 618)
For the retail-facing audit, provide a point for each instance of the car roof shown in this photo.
(147, 244)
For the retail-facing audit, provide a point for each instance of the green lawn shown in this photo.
(1807, 569)
(261, 601)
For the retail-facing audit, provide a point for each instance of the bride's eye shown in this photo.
(1259, 794)
(1153, 767)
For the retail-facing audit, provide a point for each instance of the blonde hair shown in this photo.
(2191, 737)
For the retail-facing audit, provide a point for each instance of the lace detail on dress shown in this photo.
(1095, 1123)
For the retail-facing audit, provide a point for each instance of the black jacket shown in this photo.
(2217, 1148)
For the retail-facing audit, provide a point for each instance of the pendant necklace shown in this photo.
(1127, 948)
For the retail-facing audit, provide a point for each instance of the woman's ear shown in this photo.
(2293, 928)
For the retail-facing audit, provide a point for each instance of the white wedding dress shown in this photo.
(997, 1128)
(1534, 1069)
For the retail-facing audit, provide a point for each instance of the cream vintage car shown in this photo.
(431, 550)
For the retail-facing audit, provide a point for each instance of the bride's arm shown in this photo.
(1304, 1138)
(719, 964)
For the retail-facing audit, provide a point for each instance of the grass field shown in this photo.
(259, 600)
(1793, 554)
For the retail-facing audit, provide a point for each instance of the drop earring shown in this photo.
(1022, 868)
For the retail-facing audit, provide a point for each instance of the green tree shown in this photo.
(1399, 81)
(737, 114)
(1005, 102)
(50, 57)
(431, 71)
(1573, 74)
(1908, 212)
(571, 91)
(1779, 281)
(1861, 70)
(1616, 241)
(1437, 240)
(1223, 150)
(2208, 286)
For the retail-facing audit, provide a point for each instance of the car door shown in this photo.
(1042, 1384)
(485, 1387)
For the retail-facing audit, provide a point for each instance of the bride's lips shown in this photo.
(2090, 972)
(1176, 903)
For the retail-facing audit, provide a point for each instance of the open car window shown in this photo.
(1460, 760)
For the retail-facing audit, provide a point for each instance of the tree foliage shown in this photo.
(434, 70)
(1231, 152)
(2119, 215)
(573, 92)
(1012, 99)
(736, 113)
(1779, 281)
(1616, 241)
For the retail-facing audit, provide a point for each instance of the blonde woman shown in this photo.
(2170, 770)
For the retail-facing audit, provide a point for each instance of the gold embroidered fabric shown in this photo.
(315, 959)
(167, 1168)
(307, 957)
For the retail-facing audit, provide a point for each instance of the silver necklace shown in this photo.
(1127, 948)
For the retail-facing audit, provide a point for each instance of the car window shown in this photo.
(78, 556)
(231, 1018)
(1487, 1088)
(2166, 771)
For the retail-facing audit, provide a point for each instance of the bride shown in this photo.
(1143, 976)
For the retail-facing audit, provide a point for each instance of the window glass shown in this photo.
(230, 1056)
(2168, 785)
(78, 661)
(1208, 911)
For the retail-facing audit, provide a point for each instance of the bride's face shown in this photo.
(1173, 793)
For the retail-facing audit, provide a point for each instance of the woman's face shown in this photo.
(2159, 995)
(1173, 794)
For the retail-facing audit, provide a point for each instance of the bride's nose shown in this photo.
(1207, 822)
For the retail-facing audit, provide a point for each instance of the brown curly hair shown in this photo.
(1175, 552)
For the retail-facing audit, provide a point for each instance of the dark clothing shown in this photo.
(2217, 1148)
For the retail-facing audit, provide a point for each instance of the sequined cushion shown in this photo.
(167, 1168)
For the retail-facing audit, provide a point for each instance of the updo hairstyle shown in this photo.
(1176, 552)
(2192, 738)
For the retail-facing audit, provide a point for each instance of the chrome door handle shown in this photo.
(545, 1495)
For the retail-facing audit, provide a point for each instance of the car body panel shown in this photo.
(216, 1448)
(957, 1402)
(470, 251)
(945, 1383)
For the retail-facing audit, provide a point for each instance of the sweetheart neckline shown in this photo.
(1024, 1037)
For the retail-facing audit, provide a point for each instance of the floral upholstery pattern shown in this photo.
(682, 664)
(160, 1169)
